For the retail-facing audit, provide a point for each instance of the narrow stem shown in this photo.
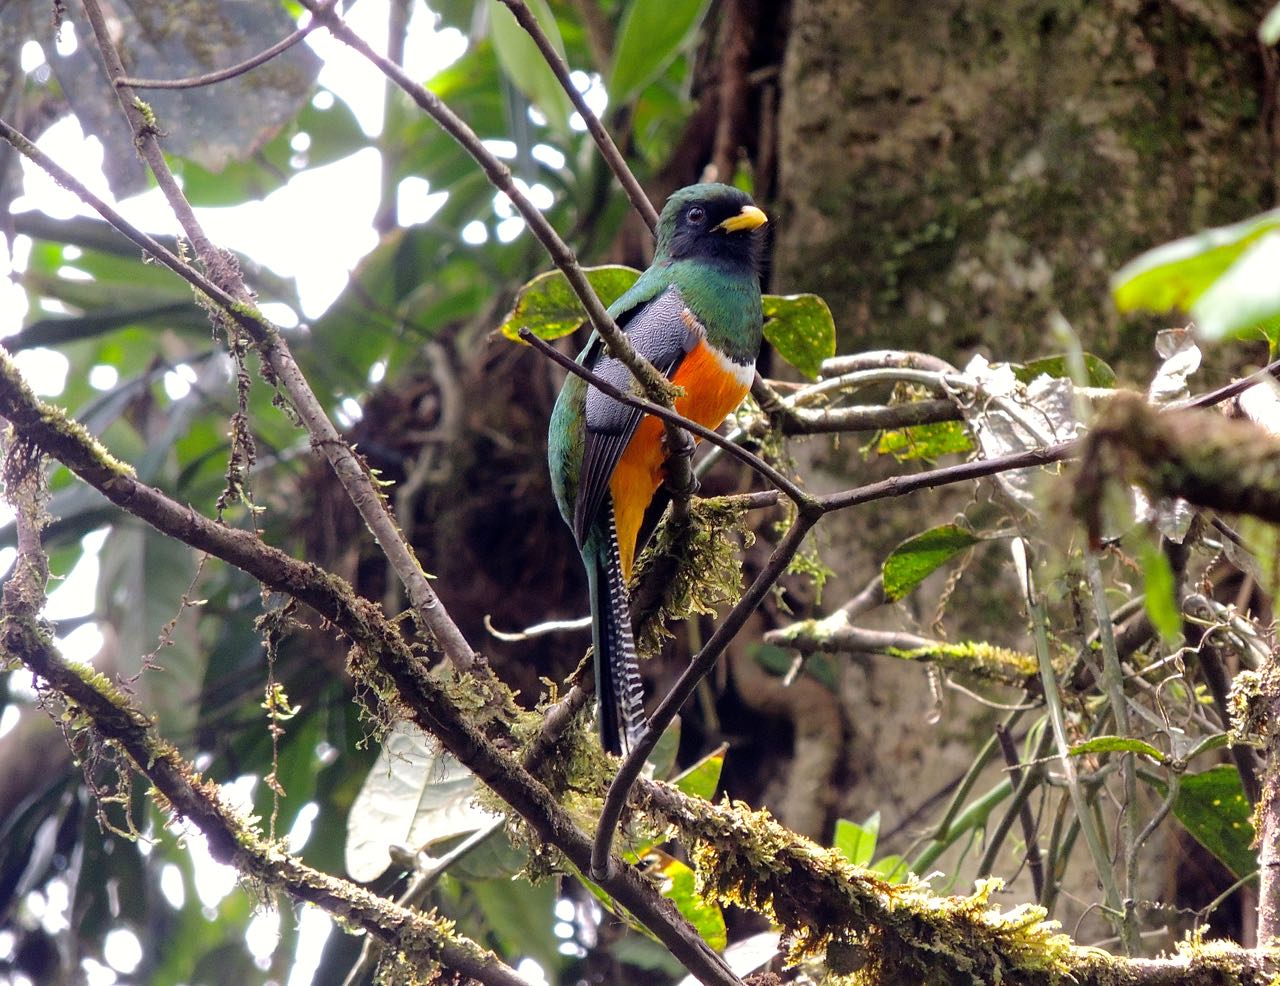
(797, 495)
(608, 149)
(1019, 807)
(1049, 681)
(702, 663)
(222, 75)
(1113, 681)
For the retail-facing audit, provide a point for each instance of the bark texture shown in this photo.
(952, 173)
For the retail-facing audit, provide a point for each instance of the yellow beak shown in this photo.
(749, 218)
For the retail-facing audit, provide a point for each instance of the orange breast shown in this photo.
(711, 392)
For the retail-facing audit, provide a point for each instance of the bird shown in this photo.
(696, 315)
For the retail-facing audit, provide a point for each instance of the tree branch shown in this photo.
(903, 932)
(231, 71)
(608, 149)
(380, 654)
(350, 471)
(423, 940)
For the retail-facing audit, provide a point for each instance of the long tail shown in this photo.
(618, 686)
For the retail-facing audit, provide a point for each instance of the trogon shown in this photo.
(695, 314)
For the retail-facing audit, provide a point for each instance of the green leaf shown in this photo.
(680, 890)
(663, 755)
(915, 558)
(651, 35)
(1269, 29)
(1159, 598)
(1178, 273)
(1099, 374)
(801, 329)
(1246, 296)
(1213, 808)
(700, 780)
(523, 62)
(926, 441)
(1117, 744)
(548, 308)
(893, 868)
(522, 916)
(857, 842)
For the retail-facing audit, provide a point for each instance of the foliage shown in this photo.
(798, 326)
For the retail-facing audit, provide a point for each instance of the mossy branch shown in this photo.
(878, 932)
(422, 941)
(381, 658)
(836, 634)
(1203, 457)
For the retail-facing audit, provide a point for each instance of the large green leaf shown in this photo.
(548, 308)
(801, 329)
(652, 34)
(523, 62)
(680, 889)
(414, 796)
(1178, 273)
(1213, 808)
(1246, 296)
(915, 558)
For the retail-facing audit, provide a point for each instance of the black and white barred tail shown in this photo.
(618, 686)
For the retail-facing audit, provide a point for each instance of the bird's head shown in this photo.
(711, 222)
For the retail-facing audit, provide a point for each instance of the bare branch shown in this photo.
(713, 437)
(222, 75)
(608, 149)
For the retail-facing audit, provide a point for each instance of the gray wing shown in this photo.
(662, 331)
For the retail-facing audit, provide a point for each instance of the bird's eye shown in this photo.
(696, 215)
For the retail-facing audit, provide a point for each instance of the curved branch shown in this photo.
(231, 838)
(324, 436)
(608, 149)
(230, 72)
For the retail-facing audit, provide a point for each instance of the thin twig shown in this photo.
(1019, 807)
(414, 894)
(608, 149)
(797, 495)
(240, 307)
(1113, 681)
(222, 75)
(616, 798)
